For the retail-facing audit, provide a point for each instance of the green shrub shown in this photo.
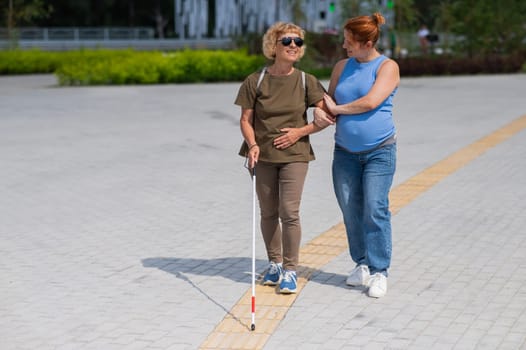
(156, 67)
(27, 62)
(93, 67)
(104, 67)
(107, 67)
(453, 65)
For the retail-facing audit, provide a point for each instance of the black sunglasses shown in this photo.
(286, 41)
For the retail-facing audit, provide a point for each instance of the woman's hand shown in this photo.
(322, 119)
(290, 137)
(330, 104)
(253, 156)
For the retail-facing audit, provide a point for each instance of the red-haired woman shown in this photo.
(363, 87)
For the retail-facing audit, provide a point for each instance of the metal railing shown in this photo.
(71, 38)
(85, 33)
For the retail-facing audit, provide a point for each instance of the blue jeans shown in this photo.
(361, 183)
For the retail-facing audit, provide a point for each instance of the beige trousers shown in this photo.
(279, 187)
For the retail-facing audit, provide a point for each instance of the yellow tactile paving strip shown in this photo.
(234, 330)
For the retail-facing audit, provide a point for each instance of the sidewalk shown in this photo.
(126, 222)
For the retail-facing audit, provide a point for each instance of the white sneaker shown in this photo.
(359, 276)
(378, 285)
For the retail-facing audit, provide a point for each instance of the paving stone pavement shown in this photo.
(125, 222)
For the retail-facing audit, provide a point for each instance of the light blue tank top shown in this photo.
(365, 131)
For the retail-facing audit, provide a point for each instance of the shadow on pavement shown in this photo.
(237, 269)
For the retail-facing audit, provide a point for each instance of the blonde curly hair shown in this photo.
(270, 39)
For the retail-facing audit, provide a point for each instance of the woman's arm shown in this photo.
(292, 135)
(323, 116)
(387, 79)
(247, 130)
(335, 75)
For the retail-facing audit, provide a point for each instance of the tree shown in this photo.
(443, 20)
(406, 15)
(20, 11)
(351, 8)
(488, 26)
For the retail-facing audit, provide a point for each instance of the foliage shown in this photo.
(94, 67)
(16, 12)
(110, 67)
(29, 61)
(157, 67)
(486, 26)
(323, 50)
(100, 13)
(454, 65)
(22, 12)
(406, 15)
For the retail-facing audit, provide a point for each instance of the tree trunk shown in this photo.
(10, 23)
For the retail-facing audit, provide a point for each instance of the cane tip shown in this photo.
(253, 327)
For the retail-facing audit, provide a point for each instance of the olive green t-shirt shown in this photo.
(280, 102)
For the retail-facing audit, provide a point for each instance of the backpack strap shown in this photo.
(261, 76)
(304, 87)
(260, 79)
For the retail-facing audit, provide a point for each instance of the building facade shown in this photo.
(196, 19)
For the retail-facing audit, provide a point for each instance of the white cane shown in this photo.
(253, 326)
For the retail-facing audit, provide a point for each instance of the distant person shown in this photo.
(364, 161)
(274, 124)
(423, 33)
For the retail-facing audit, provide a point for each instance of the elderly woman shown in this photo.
(274, 124)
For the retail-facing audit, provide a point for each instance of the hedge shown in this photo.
(108, 67)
